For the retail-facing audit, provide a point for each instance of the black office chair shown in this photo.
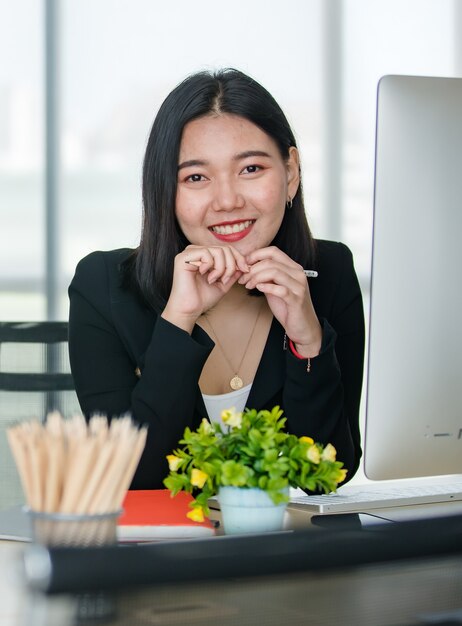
(35, 379)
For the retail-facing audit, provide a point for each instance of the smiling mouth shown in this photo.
(230, 229)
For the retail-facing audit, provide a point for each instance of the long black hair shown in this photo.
(150, 269)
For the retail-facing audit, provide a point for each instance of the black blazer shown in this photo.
(125, 358)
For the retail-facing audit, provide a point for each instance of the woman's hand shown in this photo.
(201, 277)
(286, 289)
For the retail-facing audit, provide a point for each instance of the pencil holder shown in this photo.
(65, 529)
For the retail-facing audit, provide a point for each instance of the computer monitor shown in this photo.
(414, 391)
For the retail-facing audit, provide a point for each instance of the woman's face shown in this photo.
(233, 184)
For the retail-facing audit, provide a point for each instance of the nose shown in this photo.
(227, 195)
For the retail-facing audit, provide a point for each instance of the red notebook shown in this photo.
(151, 515)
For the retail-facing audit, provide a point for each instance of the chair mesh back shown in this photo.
(35, 379)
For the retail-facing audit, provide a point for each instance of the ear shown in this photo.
(293, 172)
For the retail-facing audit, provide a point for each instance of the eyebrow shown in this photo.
(236, 157)
(191, 163)
(250, 153)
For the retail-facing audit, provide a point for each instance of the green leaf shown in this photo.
(177, 482)
(259, 453)
(235, 474)
(262, 482)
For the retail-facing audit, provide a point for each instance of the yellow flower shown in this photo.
(197, 514)
(231, 417)
(329, 453)
(307, 440)
(313, 454)
(174, 462)
(207, 426)
(341, 475)
(198, 478)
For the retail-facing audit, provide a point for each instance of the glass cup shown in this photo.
(66, 530)
(69, 529)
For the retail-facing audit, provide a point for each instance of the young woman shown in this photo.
(228, 300)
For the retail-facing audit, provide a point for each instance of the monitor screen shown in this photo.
(414, 394)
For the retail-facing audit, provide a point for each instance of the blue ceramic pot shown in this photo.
(245, 510)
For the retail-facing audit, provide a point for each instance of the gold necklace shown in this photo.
(236, 381)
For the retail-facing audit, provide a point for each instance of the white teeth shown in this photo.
(229, 230)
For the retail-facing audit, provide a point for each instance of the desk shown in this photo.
(296, 594)
(12, 593)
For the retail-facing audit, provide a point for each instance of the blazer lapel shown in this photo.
(270, 373)
(200, 409)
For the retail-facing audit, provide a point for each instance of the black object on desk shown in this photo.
(388, 574)
(348, 521)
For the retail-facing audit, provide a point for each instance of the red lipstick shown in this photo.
(231, 237)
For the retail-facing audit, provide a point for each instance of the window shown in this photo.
(320, 58)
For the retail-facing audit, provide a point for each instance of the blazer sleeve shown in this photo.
(104, 371)
(324, 403)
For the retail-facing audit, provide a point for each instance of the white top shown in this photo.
(234, 399)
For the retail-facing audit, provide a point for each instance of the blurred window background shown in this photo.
(81, 81)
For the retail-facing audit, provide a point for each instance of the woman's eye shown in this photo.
(195, 178)
(252, 169)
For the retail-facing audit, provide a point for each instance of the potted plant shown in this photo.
(249, 457)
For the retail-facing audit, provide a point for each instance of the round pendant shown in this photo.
(236, 382)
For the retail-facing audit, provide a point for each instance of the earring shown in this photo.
(289, 203)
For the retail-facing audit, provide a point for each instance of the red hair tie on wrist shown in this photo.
(299, 356)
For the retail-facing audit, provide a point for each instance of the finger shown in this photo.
(265, 264)
(240, 260)
(296, 285)
(280, 291)
(270, 253)
(231, 265)
(198, 259)
(221, 261)
(219, 265)
(265, 258)
(225, 287)
(227, 261)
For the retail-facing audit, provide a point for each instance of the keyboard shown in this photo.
(361, 498)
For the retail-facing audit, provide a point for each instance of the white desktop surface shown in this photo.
(12, 593)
